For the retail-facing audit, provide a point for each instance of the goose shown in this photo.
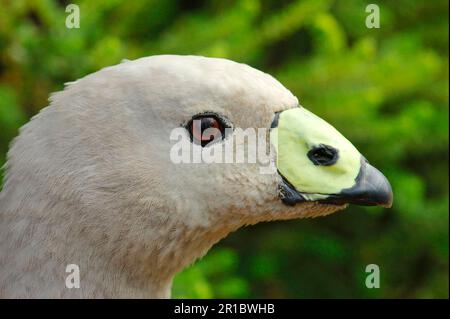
(89, 180)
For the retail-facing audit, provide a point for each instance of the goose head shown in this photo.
(107, 178)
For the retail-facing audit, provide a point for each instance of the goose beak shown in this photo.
(318, 164)
(371, 189)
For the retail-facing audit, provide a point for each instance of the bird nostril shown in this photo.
(324, 155)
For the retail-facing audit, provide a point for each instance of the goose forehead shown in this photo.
(200, 83)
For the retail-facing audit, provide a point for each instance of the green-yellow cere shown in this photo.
(300, 130)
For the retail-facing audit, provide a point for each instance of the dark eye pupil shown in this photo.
(208, 122)
(200, 124)
(323, 155)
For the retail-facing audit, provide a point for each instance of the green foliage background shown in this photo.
(385, 89)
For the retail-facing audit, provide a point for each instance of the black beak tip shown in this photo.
(379, 187)
(383, 196)
(386, 197)
(373, 188)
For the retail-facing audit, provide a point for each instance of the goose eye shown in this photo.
(324, 155)
(205, 129)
